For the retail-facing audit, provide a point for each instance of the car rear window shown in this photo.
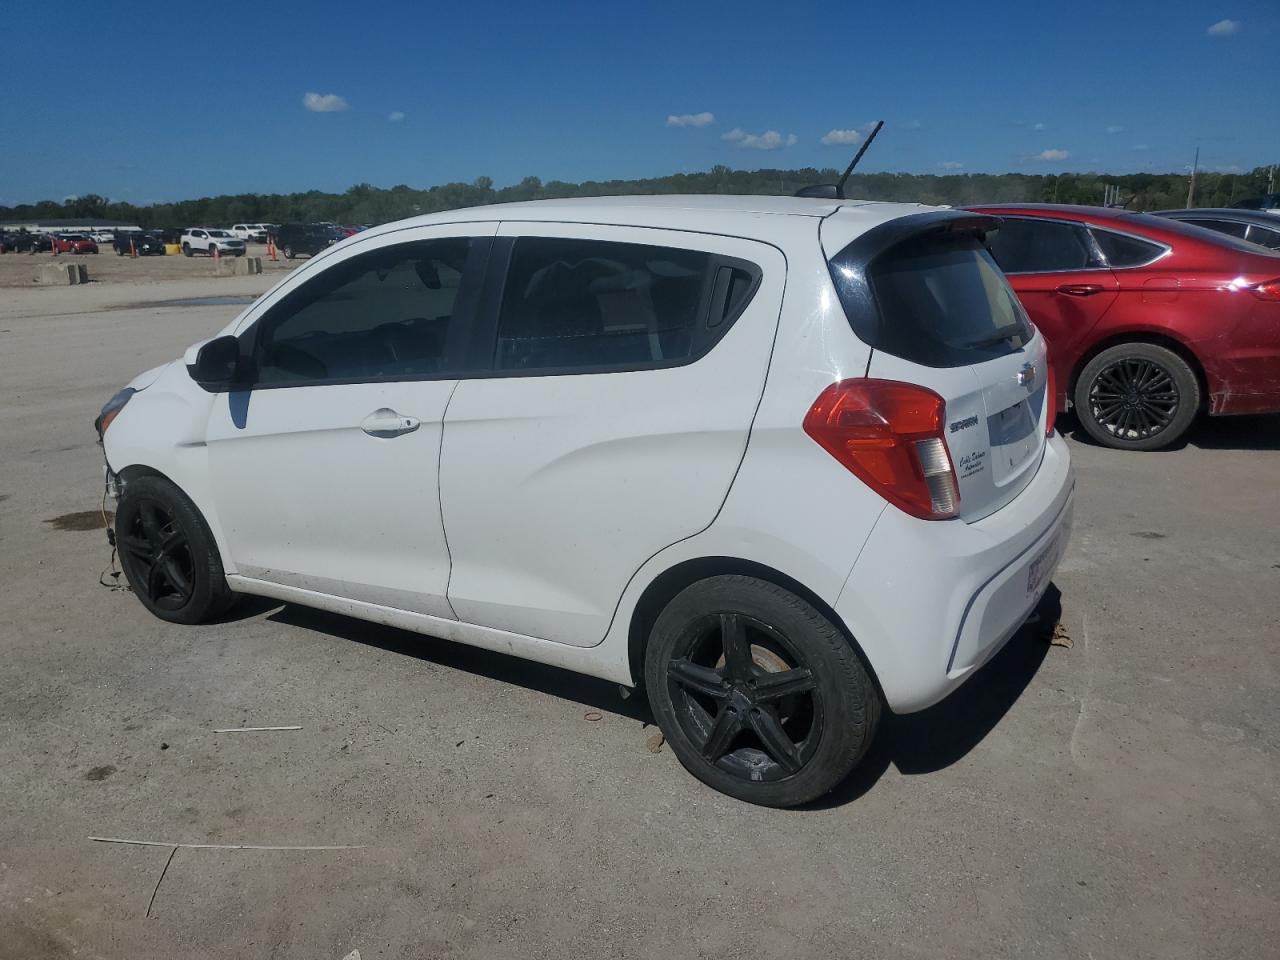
(939, 303)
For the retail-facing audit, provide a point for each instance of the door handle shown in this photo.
(385, 422)
(1080, 289)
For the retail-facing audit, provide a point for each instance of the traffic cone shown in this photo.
(133, 250)
(217, 254)
(271, 247)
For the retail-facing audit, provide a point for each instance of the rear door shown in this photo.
(628, 365)
(1061, 277)
(949, 321)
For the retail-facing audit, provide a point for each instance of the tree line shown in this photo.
(365, 204)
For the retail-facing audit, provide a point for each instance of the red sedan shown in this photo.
(74, 243)
(1149, 321)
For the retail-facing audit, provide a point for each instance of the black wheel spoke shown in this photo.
(766, 725)
(138, 546)
(172, 542)
(720, 737)
(177, 579)
(699, 679)
(151, 522)
(155, 581)
(784, 683)
(737, 651)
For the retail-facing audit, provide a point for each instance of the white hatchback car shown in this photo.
(784, 462)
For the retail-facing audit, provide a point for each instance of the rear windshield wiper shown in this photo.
(999, 335)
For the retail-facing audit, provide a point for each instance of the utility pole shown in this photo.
(1191, 187)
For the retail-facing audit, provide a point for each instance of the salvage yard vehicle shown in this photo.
(1149, 321)
(1252, 225)
(139, 242)
(74, 243)
(255, 232)
(294, 239)
(212, 242)
(786, 463)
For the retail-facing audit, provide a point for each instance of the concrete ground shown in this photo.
(1115, 799)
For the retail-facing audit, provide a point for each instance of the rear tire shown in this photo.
(288, 253)
(1137, 396)
(168, 554)
(760, 696)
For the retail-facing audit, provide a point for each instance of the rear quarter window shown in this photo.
(941, 304)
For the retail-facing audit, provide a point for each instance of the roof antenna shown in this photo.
(835, 191)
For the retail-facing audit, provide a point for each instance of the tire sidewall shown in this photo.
(1179, 372)
(849, 700)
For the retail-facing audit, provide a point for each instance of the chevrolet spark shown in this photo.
(785, 463)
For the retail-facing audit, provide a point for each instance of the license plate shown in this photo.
(1043, 565)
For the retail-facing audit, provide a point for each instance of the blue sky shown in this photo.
(425, 93)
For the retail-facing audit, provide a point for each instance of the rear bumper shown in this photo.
(930, 602)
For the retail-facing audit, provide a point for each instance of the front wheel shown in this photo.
(186, 249)
(760, 696)
(288, 252)
(1137, 396)
(168, 554)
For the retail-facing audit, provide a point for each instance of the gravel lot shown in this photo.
(1117, 798)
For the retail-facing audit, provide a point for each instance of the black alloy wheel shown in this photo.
(759, 695)
(1137, 396)
(168, 554)
(159, 552)
(744, 698)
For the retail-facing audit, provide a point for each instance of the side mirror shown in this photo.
(219, 366)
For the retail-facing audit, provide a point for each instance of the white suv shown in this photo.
(213, 242)
(257, 232)
(784, 462)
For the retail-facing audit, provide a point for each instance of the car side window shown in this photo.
(1122, 250)
(1264, 236)
(1041, 246)
(588, 305)
(1230, 227)
(392, 313)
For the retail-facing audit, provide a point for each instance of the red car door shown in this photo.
(1060, 276)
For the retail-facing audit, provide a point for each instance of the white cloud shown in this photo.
(703, 119)
(324, 102)
(769, 140)
(1038, 126)
(395, 116)
(850, 135)
(1052, 155)
(1115, 128)
(1224, 28)
(949, 164)
(1141, 146)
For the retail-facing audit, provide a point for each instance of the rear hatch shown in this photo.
(924, 293)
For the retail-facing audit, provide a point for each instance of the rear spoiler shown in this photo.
(849, 264)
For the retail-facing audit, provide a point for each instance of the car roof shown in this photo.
(752, 216)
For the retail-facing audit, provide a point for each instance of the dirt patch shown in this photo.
(1148, 535)
(100, 773)
(81, 520)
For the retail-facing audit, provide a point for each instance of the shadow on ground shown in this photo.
(916, 743)
(573, 687)
(933, 739)
(1248, 432)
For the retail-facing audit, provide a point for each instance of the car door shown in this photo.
(1060, 277)
(628, 367)
(325, 471)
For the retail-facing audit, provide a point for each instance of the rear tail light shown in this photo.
(890, 436)
(1267, 291)
(1050, 400)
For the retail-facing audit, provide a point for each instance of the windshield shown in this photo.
(219, 233)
